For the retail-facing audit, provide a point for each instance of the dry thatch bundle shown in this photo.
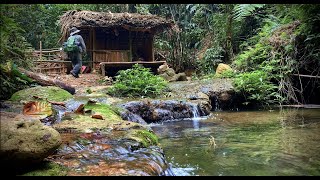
(132, 21)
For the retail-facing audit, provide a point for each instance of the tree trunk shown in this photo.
(228, 49)
(47, 81)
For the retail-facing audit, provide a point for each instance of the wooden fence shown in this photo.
(50, 61)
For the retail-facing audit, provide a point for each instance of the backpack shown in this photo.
(70, 45)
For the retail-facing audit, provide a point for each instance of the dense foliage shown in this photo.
(137, 82)
(273, 55)
(265, 44)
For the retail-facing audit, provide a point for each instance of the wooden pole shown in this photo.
(40, 50)
(93, 47)
(152, 47)
(130, 47)
(306, 76)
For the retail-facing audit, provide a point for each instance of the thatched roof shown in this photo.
(132, 21)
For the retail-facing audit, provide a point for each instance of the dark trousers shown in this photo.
(76, 61)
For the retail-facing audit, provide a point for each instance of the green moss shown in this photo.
(83, 123)
(48, 169)
(105, 110)
(144, 137)
(50, 93)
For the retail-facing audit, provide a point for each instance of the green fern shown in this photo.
(241, 11)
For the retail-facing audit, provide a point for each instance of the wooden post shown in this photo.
(93, 47)
(152, 48)
(103, 69)
(40, 50)
(130, 47)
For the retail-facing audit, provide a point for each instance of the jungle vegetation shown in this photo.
(265, 44)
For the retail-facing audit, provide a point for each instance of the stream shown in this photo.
(243, 143)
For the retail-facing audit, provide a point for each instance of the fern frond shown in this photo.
(241, 11)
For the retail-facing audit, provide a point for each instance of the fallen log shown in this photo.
(47, 81)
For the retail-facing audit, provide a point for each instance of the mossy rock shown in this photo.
(47, 169)
(104, 110)
(50, 93)
(25, 141)
(144, 137)
(85, 122)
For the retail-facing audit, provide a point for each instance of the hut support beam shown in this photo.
(93, 47)
(130, 47)
(91, 44)
(152, 48)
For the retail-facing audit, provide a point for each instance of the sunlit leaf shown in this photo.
(80, 109)
(37, 108)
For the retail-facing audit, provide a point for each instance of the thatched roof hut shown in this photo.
(130, 21)
(116, 39)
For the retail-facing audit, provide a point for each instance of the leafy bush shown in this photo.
(136, 82)
(210, 61)
(226, 74)
(257, 87)
(251, 58)
(12, 80)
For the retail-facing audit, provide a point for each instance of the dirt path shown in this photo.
(85, 80)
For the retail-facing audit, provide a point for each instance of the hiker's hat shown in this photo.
(73, 31)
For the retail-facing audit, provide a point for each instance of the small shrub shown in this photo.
(210, 61)
(137, 82)
(226, 74)
(257, 88)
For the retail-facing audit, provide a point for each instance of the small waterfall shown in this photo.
(196, 115)
(216, 105)
(195, 111)
(132, 117)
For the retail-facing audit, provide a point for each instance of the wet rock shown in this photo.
(225, 96)
(165, 76)
(127, 115)
(25, 140)
(170, 72)
(170, 75)
(125, 152)
(199, 96)
(162, 68)
(219, 93)
(161, 110)
(179, 77)
(204, 107)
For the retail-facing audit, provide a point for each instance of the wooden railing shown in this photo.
(50, 61)
(49, 54)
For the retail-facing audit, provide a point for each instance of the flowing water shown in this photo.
(251, 143)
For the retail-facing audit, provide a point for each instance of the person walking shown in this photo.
(76, 57)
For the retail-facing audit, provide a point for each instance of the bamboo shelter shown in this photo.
(116, 40)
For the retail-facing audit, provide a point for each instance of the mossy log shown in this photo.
(47, 81)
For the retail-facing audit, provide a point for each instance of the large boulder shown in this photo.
(222, 67)
(169, 74)
(162, 69)
(25, 140)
